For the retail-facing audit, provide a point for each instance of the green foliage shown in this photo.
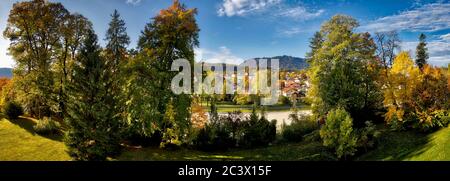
(93, 125)
(421, 51)
(257, 131)
(344, 71)
(298, 129)
(171, 35)
(116, 57)
(171, 131)
(428, 121)
(214, 137)
(337, 133)
(13, 110)
(47, 126)
(45, 39)
(285, 100)
(367, 136)
(233, 130)
(242, 99)
(118, 40)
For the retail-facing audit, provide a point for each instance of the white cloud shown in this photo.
(426, 18)
(133, 2)
(300, 13)
(273, 8)
(5, 60)
(223, 55)
(244, 7)
(445, 37)
(290, 32)
(439, 50)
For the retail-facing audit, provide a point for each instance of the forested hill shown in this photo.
(287, 62)
(6, 72)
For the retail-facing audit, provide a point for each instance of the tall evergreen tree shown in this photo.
(118, 40)
(116, 58)
(421, 51)
(315, 43)
(93, 128)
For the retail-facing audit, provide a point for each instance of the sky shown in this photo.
(232, 31)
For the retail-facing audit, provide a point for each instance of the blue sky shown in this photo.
(236, 30)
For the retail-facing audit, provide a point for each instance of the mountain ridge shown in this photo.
(6, 72)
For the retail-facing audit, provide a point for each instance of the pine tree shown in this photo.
(93, 129)
(421, 52)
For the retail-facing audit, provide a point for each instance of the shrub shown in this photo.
(285, 100)
(13, 110)
(47, 126)
(429, 121)
(367, 136)
(298, 128)
(258, 133)
(337, 133)
(213, 137)
(257, 130)
(233, 130)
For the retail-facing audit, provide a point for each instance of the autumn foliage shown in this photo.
(415, 98)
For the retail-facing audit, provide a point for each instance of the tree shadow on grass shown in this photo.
(404, 145)
(28, 123)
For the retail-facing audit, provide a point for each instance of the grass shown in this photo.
(412, 146)
(19, 142)
(285, 152)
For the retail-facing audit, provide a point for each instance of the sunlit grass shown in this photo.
(19, 142)
(413, 146)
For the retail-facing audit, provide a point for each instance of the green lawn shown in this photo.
(19, 142)
(412, 146)
(284, 152)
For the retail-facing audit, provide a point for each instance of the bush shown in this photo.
(430, 121)
(47, 126)
(233, 130)
(298, 129)
(337, 133)
(367, 136)
(285, 100)
(13, 110)
(258, 132)
(214, 137)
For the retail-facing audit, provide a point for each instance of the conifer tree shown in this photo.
(93, 128)
(118, 40)
(116, 59)
(421, 52)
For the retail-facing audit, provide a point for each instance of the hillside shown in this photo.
(287, 62)
(6, 72)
